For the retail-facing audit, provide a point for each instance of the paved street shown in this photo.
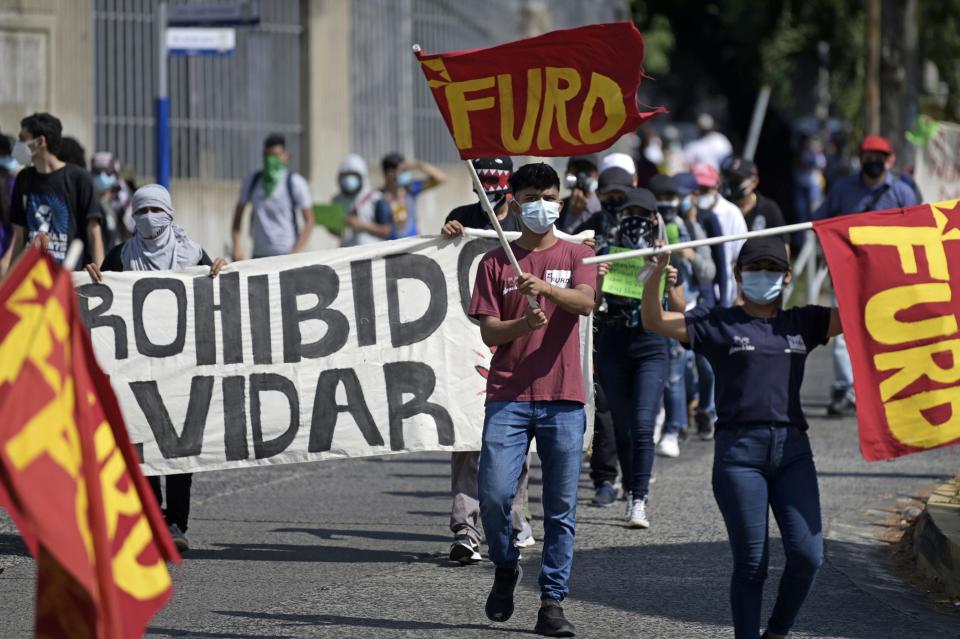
(357, 548)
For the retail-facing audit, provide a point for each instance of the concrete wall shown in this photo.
(46, 50)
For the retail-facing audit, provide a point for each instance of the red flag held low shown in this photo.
(563, 93)
(897, 278)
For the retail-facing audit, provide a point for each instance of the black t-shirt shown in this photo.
(765, 215)
(112, 261)
(58, 203)
(758, 362)
(472, 216)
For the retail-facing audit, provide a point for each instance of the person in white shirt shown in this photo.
(711, 147)
(730, 220)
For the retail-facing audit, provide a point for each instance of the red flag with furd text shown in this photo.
(897, 279)
(71, 480)
(562, 93)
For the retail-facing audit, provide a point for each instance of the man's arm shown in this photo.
(497, 332)
(308, 223)
(835, 328)
(18, 240)
(95, 240)
(235, 253)
(435, 177)
(579, 300)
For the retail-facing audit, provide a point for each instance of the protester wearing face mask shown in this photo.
(401, 190)
(581, 180)
(731, 222)
(160, 244)
(762, 457)
(534, 389)
(366, 223)
(740, 182)
(8, 174)
(612, 187)
(114, 197)
(632, 362)
(494, 174)
(279, 198)
(53, 202)
(874, 189)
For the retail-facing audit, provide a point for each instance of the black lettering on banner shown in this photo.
(258, 294)
(266, 382)
(364, 306)
(229, 309)
(468, 254)
(322, 281)
(235, 417)
(141, 289)
(190, 441)
(411, 266)
(97, 317)
(419, 380)
(326, 409)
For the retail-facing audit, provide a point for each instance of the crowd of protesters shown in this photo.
(658, 373)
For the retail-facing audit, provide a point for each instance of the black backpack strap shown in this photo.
(876, 198)
(293, 201)
(253, 185)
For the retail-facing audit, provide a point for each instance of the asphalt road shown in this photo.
(357, 548)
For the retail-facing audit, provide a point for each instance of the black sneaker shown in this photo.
(605, 496)
(500, 600)
(465, 551)
(704, 426)
(552, 623)
(841, 407)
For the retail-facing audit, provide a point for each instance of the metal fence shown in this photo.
(221, 107)
(392, 106)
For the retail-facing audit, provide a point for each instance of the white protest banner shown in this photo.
(937, 170)
(345, 353)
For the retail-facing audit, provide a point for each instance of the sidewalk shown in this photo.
(936, 538)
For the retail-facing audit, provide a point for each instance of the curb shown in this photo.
(936, 537)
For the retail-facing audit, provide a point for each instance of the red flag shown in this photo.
(73, 484)
(562, 93)
(897, 279)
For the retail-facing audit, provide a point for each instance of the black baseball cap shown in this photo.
(614, 179)
(640, 199)
(661, 184)
(770, 247)
(738, 168)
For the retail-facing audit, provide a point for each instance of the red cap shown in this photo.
(706, 175)
(877, 144)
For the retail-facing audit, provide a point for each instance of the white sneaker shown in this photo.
(658, 425)
(638, 514)
(669, 445)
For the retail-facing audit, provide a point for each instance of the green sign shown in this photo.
(622, 279)
(331, 216)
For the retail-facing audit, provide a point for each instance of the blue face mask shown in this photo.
(539, 216)
(686, 204)
(762, 287)
(9, 164)
(104, 181)
(405, 178)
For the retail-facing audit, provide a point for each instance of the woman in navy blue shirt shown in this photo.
(762, 457)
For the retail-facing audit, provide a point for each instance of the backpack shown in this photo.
(293, 202)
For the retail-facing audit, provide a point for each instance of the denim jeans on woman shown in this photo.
(508, 428)
(632, 368)
(756, 469)
(675, 391)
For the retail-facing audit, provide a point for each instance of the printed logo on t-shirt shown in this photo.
(795, 344)
(510, 284)
(48, 213)
(741, 345)
(558, 278)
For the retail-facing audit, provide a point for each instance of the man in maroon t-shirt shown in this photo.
(534, 389)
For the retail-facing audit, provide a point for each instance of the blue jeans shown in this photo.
(756, 469)
(842, 369)
(675, 392)
(632, 368)
(700, 379)
(508, 428)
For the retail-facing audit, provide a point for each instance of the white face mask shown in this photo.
(539, 216)
(152, 225)
(706, 202)
(22, 153)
